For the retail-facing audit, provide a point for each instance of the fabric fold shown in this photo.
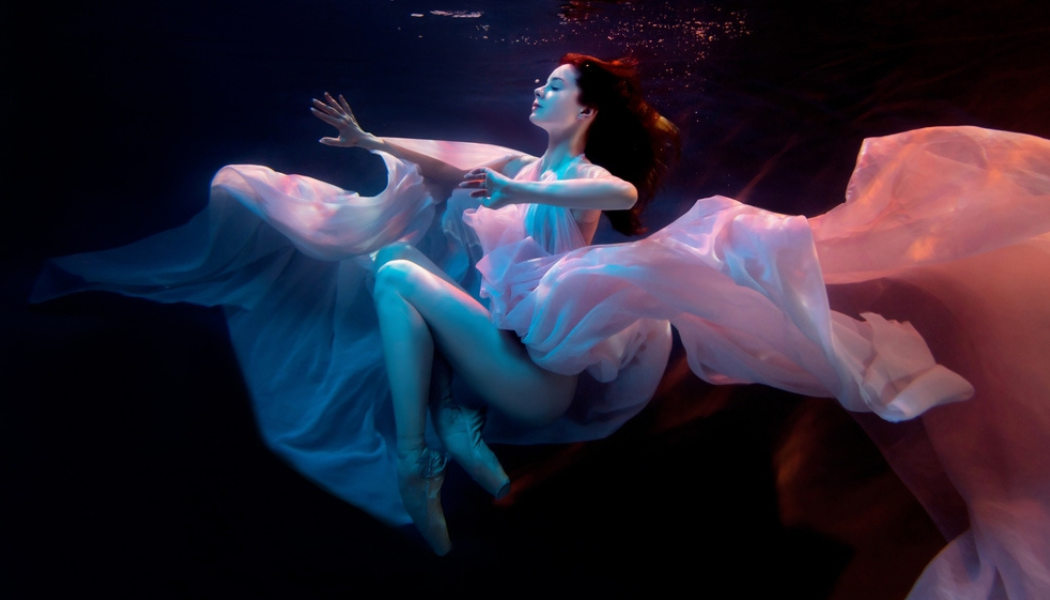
(926, 287)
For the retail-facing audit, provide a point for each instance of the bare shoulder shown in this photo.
(585, 169)
(515, 164)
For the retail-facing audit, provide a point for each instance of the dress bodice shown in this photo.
(557, 229)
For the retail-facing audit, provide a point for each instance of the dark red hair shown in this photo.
(627, 137)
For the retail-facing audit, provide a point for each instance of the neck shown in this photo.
(562, 148)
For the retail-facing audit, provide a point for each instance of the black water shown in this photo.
(132, 466)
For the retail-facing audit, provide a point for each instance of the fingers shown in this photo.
(326, 108)
(477, 174)
(478, 178)
(488, 186)
(337, 142)
(346, 107)
(333, 111)
(327, 118)
(338, 110)
(336, 113)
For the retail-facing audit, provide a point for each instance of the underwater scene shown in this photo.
(135, 461)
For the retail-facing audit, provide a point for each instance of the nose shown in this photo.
(539, 91)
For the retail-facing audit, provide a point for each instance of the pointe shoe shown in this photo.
(459, 428)
(419, 478)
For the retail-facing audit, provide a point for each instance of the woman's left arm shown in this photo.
(603, 193)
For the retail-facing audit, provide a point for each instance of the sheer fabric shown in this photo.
(942, 243)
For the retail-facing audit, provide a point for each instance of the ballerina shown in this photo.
(423, 312)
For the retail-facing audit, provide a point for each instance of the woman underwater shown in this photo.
(420, 309)
(746, 289)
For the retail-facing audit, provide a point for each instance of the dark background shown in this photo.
(131, 463)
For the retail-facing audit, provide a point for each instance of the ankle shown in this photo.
(410, 452)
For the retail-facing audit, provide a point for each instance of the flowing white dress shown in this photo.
(944, 234)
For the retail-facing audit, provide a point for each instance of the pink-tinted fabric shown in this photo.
(742, 286)
(622, 367)
(943, 236)
(327, 222)
(931, 283)
(957, 221)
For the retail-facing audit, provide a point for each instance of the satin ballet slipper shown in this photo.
(459, 429)
(419, 477)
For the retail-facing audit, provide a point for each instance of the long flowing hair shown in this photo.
(627, 137)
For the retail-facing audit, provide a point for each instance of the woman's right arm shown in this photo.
(338, 115)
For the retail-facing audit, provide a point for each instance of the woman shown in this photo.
(420, 309)
(294, 278)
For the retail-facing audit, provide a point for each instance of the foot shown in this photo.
(459, 428)
(420, 474)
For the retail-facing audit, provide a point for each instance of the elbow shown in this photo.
(627, 196)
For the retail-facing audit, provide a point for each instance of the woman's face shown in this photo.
(557, 105)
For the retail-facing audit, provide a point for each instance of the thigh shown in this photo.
(493, 362)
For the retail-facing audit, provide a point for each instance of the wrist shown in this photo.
(372, 142)
(515, 192)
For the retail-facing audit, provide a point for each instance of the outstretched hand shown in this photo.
(489, 186)
(338, 115)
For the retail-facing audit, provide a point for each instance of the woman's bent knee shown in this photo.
(393, 276)
(401, 277)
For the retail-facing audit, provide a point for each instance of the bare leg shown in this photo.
(493, 362)
(418, 308)
(405, 251)
(458, 426)
(409, 352)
